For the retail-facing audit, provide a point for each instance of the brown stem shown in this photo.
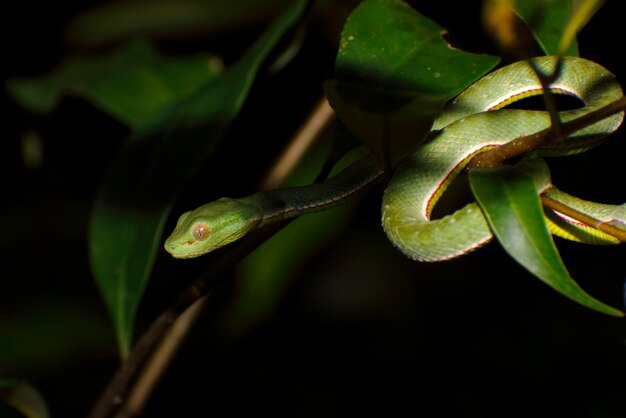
(159, 360)
(522, 145)
(319, 118)
(609, 229)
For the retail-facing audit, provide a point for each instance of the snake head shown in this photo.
(212, 226)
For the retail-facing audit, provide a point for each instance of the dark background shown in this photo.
(361, 329)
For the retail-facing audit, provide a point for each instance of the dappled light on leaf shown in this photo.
(394, 72)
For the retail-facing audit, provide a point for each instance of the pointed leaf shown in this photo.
(145, 178)
(510, 202)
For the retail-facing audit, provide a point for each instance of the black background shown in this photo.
(361, 329)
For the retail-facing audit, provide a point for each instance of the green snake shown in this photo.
(473, 122)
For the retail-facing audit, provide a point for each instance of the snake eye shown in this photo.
(200, 232)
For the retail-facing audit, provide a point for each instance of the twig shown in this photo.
(317, 120)
(607, 228)
(524, 144)
(159, 361)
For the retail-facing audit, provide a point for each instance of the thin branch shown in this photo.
(524, 144)
(315, 123)
(160, 359)
(602, 226)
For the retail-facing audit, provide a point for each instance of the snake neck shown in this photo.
(291, 202)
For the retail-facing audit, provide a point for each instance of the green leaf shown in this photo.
(510, 202)
(142, 183)
(134, 84)
(548, 20)
(394, 72)
(24, 398)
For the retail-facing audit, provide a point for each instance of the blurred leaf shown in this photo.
(24, 398)
(135, 84)
(139, 96)
(145, 178)
(548, 20)
(510, 202)
(114, 20)
(394, 72)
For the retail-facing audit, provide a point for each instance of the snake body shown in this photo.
(472, 123)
